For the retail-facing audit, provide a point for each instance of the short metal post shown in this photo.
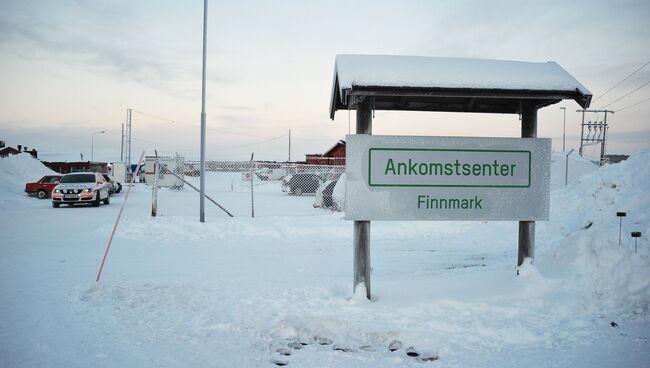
(620, 225)
(526, 247)
(362, 228)
(636, 235)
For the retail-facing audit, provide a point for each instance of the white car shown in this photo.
(266, 173)
(80, 188)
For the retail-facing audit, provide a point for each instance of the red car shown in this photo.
(43, 188)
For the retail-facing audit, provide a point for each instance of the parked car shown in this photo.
(298, 184)
(43, 187)
(114, 186)
(338, 194)
(267, 173)
(83, 187)
(285, 183)
(324, 197)
(192, 169)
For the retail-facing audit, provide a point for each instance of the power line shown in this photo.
(252, 144)
(634, 104)
(196, 126)
(619, 83)
(627, 94)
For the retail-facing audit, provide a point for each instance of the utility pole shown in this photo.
(127, 150)
(289, 145)
(92, 145)
(122, 145)
(595, 126)
(202, 167)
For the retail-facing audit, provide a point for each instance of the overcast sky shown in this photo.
(71, 68)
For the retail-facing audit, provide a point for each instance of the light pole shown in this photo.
(92, 144)
(564, 130)
(202, 164)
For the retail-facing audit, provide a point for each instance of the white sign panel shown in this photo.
(447, 178)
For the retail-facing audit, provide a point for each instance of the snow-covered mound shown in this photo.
(15, 172)
(585, 247)
(234, 290)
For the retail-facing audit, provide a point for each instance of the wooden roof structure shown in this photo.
(413, 83)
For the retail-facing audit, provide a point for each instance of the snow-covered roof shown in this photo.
(493, 78)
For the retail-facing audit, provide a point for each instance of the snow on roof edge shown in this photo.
(351, 70)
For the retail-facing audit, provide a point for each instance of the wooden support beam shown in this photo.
(362, 228)
(526, 247)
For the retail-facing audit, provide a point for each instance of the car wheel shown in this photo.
(297, 191)
(96, 201)
(41, 194)
(55, 205)
(107, 200)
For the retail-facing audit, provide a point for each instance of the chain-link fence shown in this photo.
(246, 188)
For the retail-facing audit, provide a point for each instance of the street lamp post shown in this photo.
(564, 130)
(92, 145)
(202, 164)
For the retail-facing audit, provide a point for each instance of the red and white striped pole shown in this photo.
(119, 216)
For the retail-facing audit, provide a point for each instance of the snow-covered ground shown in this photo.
(230, 292)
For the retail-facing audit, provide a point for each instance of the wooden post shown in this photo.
(527, 228)
(362, 228)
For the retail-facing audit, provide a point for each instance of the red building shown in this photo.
(333, 156)
(68, 167)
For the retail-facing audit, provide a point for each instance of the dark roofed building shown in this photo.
(333, 156)
(8, 151)
(79, 166)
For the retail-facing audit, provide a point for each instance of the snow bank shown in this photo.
(585, 230)
(15, 172)
(177, 292)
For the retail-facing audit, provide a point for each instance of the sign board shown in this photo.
(447, 178)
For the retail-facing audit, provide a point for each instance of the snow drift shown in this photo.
(15, 172)
(232, 291)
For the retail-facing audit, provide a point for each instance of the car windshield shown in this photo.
(78, 178)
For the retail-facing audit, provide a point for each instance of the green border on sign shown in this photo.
(445, 185)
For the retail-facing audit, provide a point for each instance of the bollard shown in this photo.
(620, 225)
(636, 235)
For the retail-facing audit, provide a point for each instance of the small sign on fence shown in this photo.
(447, 178)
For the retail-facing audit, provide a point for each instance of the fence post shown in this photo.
(566, 168)
(154, 189)
(252, 183)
